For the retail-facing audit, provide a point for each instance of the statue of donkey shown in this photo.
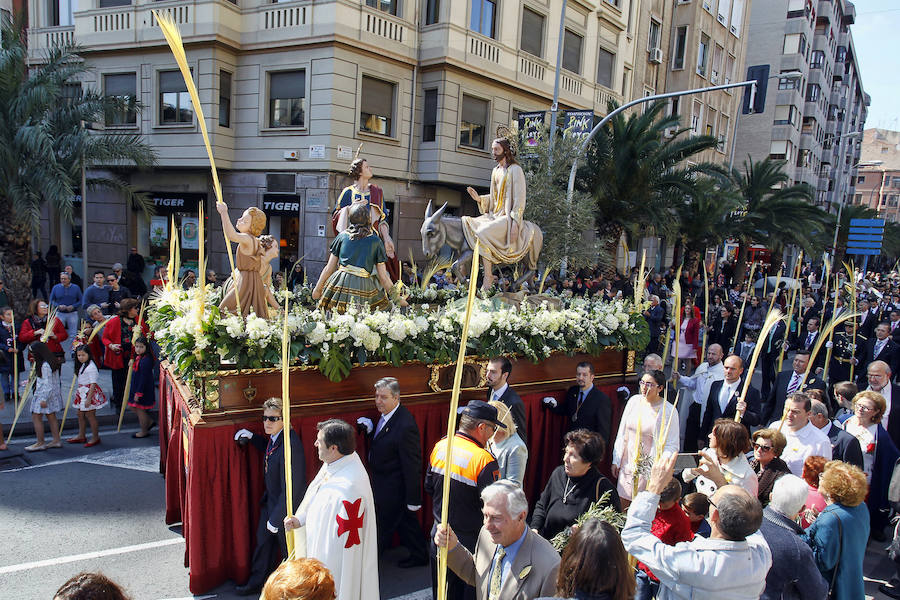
(439, 229)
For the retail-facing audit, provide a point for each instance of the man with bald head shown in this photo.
(724, 400)
(729, 565)
(692, 405)
(879, 374)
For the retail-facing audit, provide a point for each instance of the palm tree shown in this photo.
(632, 171)
(702, 219)
(772, 212)
(44, 143)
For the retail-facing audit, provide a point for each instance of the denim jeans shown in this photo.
(646, 588)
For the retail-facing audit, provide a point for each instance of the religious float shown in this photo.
(224, 351)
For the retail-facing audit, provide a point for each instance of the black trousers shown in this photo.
(270, 548)
(119, 376)
(404, 522)
(768, 374)
(457, 589)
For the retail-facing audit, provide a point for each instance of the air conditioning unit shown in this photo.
(656, 55)
(714, 78)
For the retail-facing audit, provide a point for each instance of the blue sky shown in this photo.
(876, 35)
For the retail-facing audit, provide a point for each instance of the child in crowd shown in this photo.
(670, 525)
(88, 397)
(47, 399)
(844, 392)
(745, 348)
(696, 507)
(143, 395)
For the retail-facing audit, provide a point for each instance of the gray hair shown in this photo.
(818, 408)
(788, 495)
(654, 357)
(740, 514)
(516, 502)
(654, 297)
(273, 404)
(91, 309)
(388, 383)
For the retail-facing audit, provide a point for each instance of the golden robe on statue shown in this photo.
(501, 208)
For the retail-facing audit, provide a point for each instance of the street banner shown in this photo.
(530, 125)
(578, 123)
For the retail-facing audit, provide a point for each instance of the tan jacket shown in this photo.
(533, 572)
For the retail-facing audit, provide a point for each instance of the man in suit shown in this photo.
(725, 327)
(867, 320)
(787, 383)
(881, 347)
(497, 377)
(771, 350)
(845, 352)
(585, 406)
(808, 340)
(654, 316)
(844, 446)
(879, 379)
(271, 545)
(724, 400)
(809, 311)
(511, 561)
(395, 468)
(692, 405)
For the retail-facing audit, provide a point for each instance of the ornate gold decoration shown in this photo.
(629, 362)
(472, 366)
(249, 393)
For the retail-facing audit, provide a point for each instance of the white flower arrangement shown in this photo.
(196, 337)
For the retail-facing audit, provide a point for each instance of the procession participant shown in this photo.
(363, 191)
(9, 354)
(142, 395)
(788, 383)
(506, 238)
(879, 377)
(46, 399)
(692, 407)
(497, 376)
(33, 329)
(271, 545)
(83, 338)
(117, 338)
(249, 287)
(725, 401)
(845, 352)
(844, 446)
(395, 465)
(337, 515)
(347, 278)
(66, 297)
(472, 469)
(803, 438)
(585, 406)
(88, 397)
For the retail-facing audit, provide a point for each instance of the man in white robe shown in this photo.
(336, 519)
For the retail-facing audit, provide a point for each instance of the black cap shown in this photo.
(479, 409)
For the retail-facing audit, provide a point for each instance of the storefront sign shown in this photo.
(190, 233)
(531, 125)
(578, 123)
(159, 231)
(182, 202)
(281, 205)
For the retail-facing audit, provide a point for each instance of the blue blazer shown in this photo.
(824, 539)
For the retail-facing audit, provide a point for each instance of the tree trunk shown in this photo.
(692, 260)
(611, 234)
(15, 264)
(740, 267)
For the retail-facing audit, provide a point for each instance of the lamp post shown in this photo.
(737, 116)
(554, 108)
(587, 140)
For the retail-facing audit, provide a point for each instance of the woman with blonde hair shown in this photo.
(300, 579)
(839, 534)
(507, 446)
(879, 454)
(249, 286)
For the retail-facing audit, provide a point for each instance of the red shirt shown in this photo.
(670, 526)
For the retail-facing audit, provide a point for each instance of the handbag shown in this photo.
(832, 594)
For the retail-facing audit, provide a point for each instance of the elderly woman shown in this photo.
(879, 454)
(507, 447)
(648, 428)
(117, 335)
(724, 462)
(94, 322)
(768, 444)
(839, 534)
(815, 501)
(574, 485)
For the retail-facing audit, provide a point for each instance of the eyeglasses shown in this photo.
(864, 409)
(762, 448)
(271, 419)
(647, 383)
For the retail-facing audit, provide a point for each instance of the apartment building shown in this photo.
(815, 106)
(878, 186)
(291, 90)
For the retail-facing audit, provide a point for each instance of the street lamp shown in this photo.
(737, 116)
(587, 140)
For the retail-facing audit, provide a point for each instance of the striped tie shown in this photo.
(794, 385)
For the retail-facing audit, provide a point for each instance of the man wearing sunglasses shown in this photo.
(271, 545)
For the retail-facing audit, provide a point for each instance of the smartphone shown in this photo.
(687, 460)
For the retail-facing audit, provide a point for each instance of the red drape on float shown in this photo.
(213, 485)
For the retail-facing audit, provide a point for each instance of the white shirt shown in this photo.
(807, 441)
(495, 394)
(726, 393)
(699, 383)
(886, 392)
(385, 419)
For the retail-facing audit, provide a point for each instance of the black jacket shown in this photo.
(844, 446)
(511, 399)
(774, 405)
(274, 501)
(714, 411)
(889, 354)
(595, 413)
(777, 339)
(395, 462)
